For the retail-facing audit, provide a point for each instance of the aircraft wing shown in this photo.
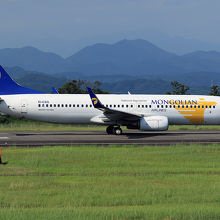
(113, 114)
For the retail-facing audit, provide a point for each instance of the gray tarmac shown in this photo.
(72, 138)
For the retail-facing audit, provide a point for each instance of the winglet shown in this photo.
(95, 101)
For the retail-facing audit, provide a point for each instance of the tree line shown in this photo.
(80, 87)
(181, 89)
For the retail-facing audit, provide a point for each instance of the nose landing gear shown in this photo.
(114, 130)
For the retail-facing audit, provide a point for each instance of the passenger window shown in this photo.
(86, 106)
(170, 106)
(58, 105)
(131, 106)
(70, 105)
(210, 106)
(138, 106)
(191, 106)
(73, 105)
(194, 106)
(149, 106)
(182, 106)
(142, 106)
(38, 105)
(202, 106)
(90, 106)
(213, 106)
(78, 105)
(122, 106)
(158, 106)
(66, 105)
(161, 106)
(114, 106)
(82, 106)
(46, 105)
(178, 106)
(126, 106)
(51, 105)
(110, 106)
(186, 106)
(54, 105)
(206, 106)
(166, 106)
(106, 106)
(198, 106)
(145, 106)
(174, 106)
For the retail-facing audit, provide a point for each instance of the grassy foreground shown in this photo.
(178, 182)
(24, 125)
(13, 124)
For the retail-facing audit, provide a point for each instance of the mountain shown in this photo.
(138, 86)
(117, 84)
(30, 58)
(133, 57)
(202, 61)
(35, 80)
(41, 82)
(138, 58)
(135, 65)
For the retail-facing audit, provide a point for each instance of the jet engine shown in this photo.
(154, 123)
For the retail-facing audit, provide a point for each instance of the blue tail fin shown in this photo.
(10, 87)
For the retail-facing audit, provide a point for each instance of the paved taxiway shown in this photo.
(42, 138)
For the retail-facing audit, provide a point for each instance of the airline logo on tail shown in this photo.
(95, 101)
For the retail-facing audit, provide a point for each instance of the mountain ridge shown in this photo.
(133, 60)
(126, 57)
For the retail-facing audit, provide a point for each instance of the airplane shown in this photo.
(142, 112)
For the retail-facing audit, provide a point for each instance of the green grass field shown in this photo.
(24, 125)
(117, 182)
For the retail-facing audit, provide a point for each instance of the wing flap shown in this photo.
(121, 115)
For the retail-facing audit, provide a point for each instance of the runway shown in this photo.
(73, 138)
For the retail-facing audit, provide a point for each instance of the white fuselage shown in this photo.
(78, 109)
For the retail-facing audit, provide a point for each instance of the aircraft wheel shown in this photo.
(109, 129)
(117, 131)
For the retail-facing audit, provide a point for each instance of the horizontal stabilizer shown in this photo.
(55, 91)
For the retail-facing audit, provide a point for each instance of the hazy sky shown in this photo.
(65, 26)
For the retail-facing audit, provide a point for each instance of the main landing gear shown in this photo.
(114, 130)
